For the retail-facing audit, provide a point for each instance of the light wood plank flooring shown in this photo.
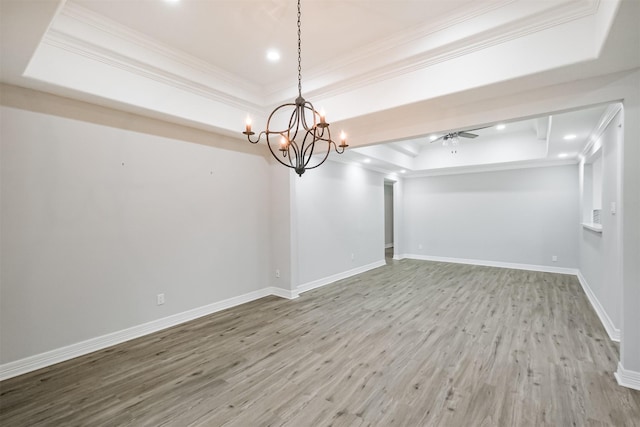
(414, 343)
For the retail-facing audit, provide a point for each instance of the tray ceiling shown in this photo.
(202, 63)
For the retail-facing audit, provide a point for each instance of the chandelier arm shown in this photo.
(257, 138)
(290, 104)
(337, 148)
(316, 139)
(311, 145)
(294, 124)
(278, 158)
(307, 155)
(321, 162)
(309, 106)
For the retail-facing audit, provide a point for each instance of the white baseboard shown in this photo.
(388, 245)
(39, 361)
(283, 293)
(626, 378)
(330, 279)
(515, 266)
(612, 331)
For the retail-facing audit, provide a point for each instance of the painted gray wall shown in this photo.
(518, 216)
(280, 232)
(600, 256)
(388, 214)
(339, 213)
(97, 220)
(630, 234)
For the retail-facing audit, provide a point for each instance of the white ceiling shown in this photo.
(203, 63)
(234, 35)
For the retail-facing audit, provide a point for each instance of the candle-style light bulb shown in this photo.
(323, 119)
(343, 140)
(248, 125)
(283, 144)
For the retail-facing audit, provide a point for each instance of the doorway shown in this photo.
(388, 220)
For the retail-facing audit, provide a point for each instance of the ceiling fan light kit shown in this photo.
(453, 138)
(307, 132)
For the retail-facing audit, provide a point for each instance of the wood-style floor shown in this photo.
(414, 343)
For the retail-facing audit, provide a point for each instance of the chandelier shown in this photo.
(307, 132)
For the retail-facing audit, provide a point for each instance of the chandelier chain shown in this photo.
(299, 55)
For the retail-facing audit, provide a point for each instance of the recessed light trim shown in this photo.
(367, 160)
(563, 155)
(273, 55)
(569, 137)
(403, 171)
(501, 126)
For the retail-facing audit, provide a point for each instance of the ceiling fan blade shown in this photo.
(467, 134)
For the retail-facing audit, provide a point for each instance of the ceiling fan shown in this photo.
(454, 136)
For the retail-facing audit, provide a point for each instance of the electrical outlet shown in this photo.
(160, 299)
(554, 258)
(277, 273)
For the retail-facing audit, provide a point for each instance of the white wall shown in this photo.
(599, 261)
(518, 216)
(339, 213)
(388, 215)
(97, 220)
(630, 234)
(282, 256)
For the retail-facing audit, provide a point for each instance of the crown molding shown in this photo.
(111, 28)
(108, 57)
(491, 167)
(330, 81)
(93, 36)
(375, 63)
(391, 45)
(609, 114)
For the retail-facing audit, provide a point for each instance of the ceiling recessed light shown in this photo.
(433, 137)
(273, 55)
(501, 126)
(403, 171)
(367, 160)
(563, 155)
(569, 137)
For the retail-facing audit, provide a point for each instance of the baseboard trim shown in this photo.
(345, 274)
(627, 378)
(39, 361)
(612, 331)
(283, 293)
(499, 264)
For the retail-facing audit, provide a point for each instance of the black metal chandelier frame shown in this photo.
(298, 143)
